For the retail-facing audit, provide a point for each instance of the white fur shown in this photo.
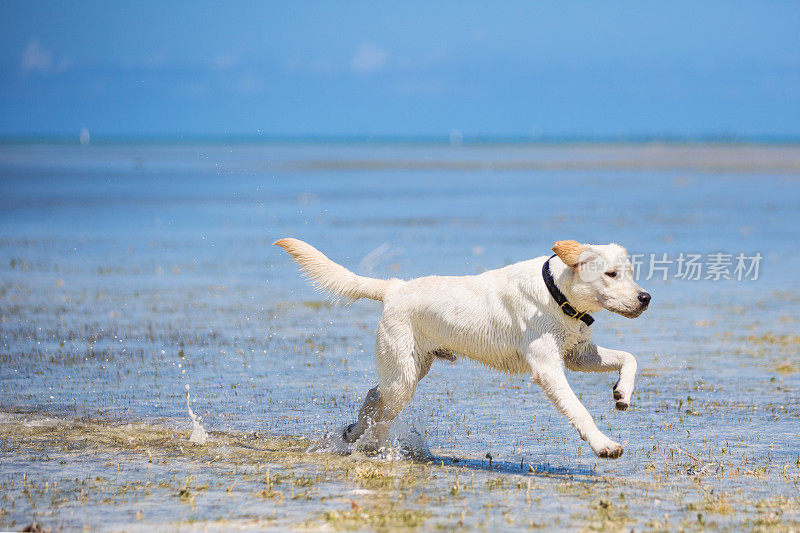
(503, 318)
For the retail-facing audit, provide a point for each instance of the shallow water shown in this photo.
(128, 272)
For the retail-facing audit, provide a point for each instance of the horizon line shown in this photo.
(378, 139)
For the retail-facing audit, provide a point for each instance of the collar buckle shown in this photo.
(570, 311)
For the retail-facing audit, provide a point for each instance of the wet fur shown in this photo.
(503, 318)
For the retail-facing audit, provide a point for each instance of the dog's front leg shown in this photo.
(548, 371)
(588, 357)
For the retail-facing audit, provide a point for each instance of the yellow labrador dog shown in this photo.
(529, 317)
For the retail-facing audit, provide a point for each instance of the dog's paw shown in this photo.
(621, 403)
(348, 435)
(611, 451)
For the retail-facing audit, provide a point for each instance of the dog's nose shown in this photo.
(644, 297)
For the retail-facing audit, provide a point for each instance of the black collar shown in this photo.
(559, 297)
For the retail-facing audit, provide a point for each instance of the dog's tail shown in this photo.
(331, 277)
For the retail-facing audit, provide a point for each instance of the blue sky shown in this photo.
(400, 68)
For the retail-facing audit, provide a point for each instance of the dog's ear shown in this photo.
(569, 251)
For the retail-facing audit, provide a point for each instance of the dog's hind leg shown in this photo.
(366, 416)
(401, 364)
(588, 357)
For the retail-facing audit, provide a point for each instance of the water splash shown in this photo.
(407, 440)
(199, 434)
(409, 437)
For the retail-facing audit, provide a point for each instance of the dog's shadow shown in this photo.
(332, 442)
(524, 468)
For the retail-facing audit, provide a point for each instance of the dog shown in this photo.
(530, 317)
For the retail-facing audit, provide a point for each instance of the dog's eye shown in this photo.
(611, 274)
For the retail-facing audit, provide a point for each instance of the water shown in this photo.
(199, 434)
(130, 272)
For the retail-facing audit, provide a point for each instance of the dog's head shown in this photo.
(602, 278)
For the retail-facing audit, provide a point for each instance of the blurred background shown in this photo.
(523, 70)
